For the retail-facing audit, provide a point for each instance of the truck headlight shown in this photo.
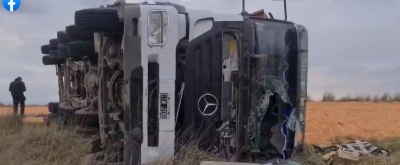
(157, 28)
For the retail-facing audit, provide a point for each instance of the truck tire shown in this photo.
(54, 54)
(98, 20)
(62, 37)
(75, 34)
(53, 44)
(51, 118)
(81, 49)
(45, 49)
(87, 117)
(53, 107)
(62, 51)
(47, 60)
(66, 115)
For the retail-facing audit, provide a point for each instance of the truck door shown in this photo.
(204, 84)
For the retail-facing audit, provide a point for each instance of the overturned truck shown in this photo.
(148, 77)
(73, 54)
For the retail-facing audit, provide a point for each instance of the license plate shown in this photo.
(164, 112)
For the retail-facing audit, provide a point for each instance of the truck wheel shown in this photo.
(51, 118)
(45, 49)
(54, 54)
(47, 60)
(98, 20)
(62, 37)
(75, 34)
(81, 49)
(53, 44)
(53, 107)
(62, 51)
(66, 115)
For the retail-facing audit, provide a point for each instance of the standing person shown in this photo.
(17, 89)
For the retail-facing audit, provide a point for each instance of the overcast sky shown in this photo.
(354, 44)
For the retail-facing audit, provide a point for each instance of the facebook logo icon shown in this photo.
(11, 5)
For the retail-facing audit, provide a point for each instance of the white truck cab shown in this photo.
(235, 83)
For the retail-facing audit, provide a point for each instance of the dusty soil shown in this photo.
(33, 113)
(325, 121)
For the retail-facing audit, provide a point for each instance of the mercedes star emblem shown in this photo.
(207, 104)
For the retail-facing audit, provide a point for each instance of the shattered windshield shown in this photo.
(271, 95)
(273, 43)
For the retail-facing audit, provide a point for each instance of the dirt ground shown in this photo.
(325, 121)
(33, 113)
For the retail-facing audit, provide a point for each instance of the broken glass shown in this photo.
(272, 105)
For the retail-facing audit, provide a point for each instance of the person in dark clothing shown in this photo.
(17, 89)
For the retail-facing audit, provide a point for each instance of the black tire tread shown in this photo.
(98, 20)
(45, 49)
(53, 107)
(53, 43)
(47, 60)
(62, 37)
(80, 49)
(75, 34)
(53, 53)
(62, 51)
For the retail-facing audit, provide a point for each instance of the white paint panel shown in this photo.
(199, 27)
(227, 17)
(202, 26)
(165, 56)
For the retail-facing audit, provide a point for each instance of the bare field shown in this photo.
(325, 121)
(33, 113)
(353, 120)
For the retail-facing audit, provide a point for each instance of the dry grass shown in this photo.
(190, 154)
(385, 97)
(309, 156)
(33, 144)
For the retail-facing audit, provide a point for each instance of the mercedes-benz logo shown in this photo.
(207, 104)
